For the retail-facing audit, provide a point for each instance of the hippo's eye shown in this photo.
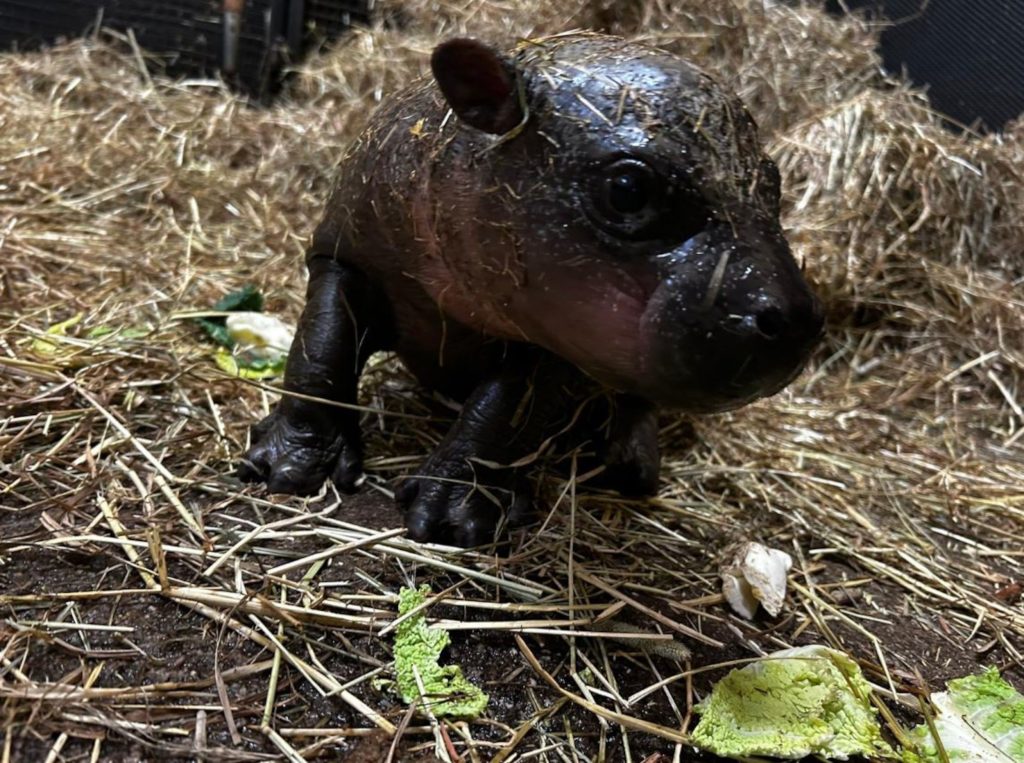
(629, 189)
(632, 201)
(626, 198)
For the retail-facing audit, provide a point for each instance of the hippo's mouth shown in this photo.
(717, 386)
(707, 360)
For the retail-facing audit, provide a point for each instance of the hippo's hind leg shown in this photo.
(631, 456)
(615, 442)
(461, 489)
(302, 442)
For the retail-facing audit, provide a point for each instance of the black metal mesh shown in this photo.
(188, 33)
(968, 53)
(325, 17)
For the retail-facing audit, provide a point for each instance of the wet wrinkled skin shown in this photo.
(525, 230)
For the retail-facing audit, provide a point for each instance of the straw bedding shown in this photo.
(152, 607)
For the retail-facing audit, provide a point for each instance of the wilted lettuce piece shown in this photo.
(258, 343)
(979, 719)
(260, 336)
(446, 690)
(44, 347)
(129, 332)
(256, 368)
(260, 346)
(70, 355)
(247, 298)
(809, 700)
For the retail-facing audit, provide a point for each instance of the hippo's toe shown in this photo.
(455, 502)
(295, 457)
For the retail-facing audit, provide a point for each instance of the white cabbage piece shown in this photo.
(755, 574)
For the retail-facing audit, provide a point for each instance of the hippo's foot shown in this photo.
(631, 456)
(294, 452)
(632, 464)
(456, 501)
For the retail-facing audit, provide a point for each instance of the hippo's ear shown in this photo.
(478, 84)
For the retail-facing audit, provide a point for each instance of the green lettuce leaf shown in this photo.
(979, 719)
(804, 701)
(247, 298)
(417, 645)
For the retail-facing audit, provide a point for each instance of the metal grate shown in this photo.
(325, 17)
(189, 34)
(968, 53)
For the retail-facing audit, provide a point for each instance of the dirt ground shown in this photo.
(167, 644)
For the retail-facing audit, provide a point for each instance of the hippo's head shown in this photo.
(624, 216)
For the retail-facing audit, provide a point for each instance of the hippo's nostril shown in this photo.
(771, 322)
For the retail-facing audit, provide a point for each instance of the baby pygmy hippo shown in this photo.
(524, 230)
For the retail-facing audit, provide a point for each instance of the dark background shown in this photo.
(189, 33)
(968, 53)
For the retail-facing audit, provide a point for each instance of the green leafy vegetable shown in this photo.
(247, 298)
(980, 719)
(805, 701)
(73, 354)
(417, 648)
(245, 351)
(249, 368)
(44, 347)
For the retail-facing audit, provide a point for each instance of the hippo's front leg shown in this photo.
(461, 489)
(302, 442)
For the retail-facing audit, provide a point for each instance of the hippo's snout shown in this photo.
(769, 322)
(731, 323)
(757, 353)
